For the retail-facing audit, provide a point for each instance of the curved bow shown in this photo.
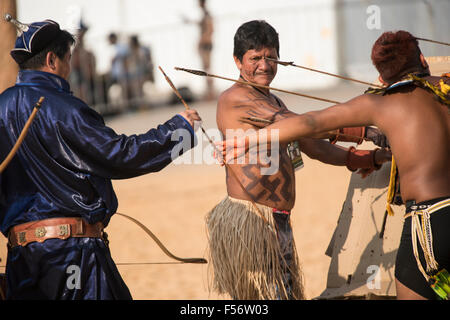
(159, 243)
(22, 136)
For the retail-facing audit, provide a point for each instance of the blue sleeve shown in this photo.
(90, 146)
(187, 124)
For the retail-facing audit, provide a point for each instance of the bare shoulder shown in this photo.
(234, 100)
(358, 111)
(367, 100)
(362, 104)
(228, 111)
(232, 95)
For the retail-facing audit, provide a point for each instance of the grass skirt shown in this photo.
(245, 256)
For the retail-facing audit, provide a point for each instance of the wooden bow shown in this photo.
(22, 136)
(159, 243)
(147, 230)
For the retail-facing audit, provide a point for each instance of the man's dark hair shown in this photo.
(256, 34)
(60, 45)
(396, 54)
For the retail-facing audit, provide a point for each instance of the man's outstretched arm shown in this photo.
(360, 111)
(354, 113)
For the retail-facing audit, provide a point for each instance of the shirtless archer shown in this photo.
(416, 121)
(244, 265)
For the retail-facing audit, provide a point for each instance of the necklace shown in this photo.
(256, 88)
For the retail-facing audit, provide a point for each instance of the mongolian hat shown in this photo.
(32, 38)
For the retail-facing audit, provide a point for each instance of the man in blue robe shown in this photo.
(56, 195)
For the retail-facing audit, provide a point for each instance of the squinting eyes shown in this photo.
(261, 58)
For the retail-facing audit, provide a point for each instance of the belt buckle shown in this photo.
(40, 232)
(64, 231)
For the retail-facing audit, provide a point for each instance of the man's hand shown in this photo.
(326, 135)
(231, 149)
(191, 116)
(381, 156)
(377, 137)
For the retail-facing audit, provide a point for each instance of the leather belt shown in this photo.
(53, 228)
(411, 205)
(429, 208)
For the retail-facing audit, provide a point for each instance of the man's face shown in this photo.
(254, 68)
(63, 65)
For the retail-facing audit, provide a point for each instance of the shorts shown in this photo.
(406, 269)
(286, 240)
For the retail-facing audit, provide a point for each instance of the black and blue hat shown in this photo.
(33, 38)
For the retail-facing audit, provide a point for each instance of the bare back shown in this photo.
(237, 108)
(418, 129)
(416, 124)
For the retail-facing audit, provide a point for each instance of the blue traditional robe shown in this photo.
(64, 169)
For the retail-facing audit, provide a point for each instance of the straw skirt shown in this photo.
(250, 260)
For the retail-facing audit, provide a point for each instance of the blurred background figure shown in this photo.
(140, 69)
(205, 45)
(83, 76)
(118, 88)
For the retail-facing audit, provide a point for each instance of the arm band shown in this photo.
(365, 159)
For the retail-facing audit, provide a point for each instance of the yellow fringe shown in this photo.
(445, 88)
(440, 92)
(391, 189)
(244, 254)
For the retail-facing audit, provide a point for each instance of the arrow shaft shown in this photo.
(434, 41)
(323, 72)
(205, 74)
(274, 89)
(218, 152)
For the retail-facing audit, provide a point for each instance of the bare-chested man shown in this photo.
(250, 260)
(205, 45)
(413, 112)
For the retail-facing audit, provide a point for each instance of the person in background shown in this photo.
(119, 68)
(205, 45)
(83, 76)
(140, 69)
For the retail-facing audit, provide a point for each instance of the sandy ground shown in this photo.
(173, 203)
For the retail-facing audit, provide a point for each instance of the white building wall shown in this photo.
(306, 28)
